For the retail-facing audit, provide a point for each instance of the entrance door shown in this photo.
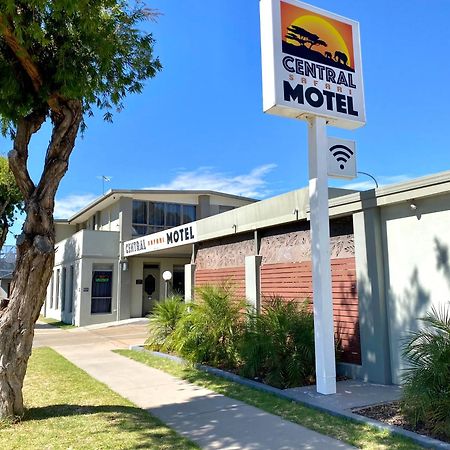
(150, 288)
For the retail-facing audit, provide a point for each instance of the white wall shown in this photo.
(417, 266)
(82, 250)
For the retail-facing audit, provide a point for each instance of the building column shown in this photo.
(189, 282)
(373, 317)
(124, 289)
(253, 281)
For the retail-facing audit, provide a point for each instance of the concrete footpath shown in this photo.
(212, 420)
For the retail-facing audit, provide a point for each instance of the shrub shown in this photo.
(278, 345)
(426, 397)
(210, 333)
(163, 321)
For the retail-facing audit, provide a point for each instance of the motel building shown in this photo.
(390, 258)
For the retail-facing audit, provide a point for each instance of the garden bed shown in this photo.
(391, 414)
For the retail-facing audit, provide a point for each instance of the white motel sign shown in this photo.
(311, 70)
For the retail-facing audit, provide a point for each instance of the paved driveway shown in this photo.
(120, 336)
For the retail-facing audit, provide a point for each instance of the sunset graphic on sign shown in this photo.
(316, 37)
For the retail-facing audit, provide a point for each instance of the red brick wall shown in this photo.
(294, 282)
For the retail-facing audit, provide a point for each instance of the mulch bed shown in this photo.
(390, 413)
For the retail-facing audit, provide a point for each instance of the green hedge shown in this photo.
(276, 347)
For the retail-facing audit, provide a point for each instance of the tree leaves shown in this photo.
(90, 50)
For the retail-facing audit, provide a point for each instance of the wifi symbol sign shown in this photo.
(341, 158)
(342, 154)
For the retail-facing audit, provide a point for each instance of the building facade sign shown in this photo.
(173, 237)
(311, 64)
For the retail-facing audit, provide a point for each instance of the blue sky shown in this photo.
(199, 124)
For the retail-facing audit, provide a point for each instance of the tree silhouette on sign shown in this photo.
(304, 37)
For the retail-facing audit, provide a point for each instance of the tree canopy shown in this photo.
(91, 50)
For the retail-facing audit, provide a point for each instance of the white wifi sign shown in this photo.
(341, 158)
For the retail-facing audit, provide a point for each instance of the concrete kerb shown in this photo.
(419, 439)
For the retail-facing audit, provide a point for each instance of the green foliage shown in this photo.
(163, 321)
(278, 345)
(211, 331)
(11, 200)
(426, 398)
(90, 50)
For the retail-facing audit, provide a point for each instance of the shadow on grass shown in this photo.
(130, 419)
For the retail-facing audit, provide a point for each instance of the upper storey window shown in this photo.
(150, 217)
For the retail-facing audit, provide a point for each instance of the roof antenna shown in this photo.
(104, 178)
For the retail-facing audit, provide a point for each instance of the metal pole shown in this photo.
(321, 264)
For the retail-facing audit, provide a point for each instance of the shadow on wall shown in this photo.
(414, 303)
(442, 256)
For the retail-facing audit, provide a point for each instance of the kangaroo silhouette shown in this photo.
(340, 57)
(328, 55)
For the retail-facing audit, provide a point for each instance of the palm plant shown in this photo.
(278, 345)
(426, 398)
(211, 331)
(163, 322)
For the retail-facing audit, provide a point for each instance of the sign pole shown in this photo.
(321, 264)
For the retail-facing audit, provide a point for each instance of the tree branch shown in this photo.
(27, 63)
(18, 157)
(21, 54)
(65, 130)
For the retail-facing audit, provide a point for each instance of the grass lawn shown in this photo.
(56, 323)
(354, 433)
(68, 409)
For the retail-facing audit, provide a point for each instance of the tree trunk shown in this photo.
(17, 322)
(35, 247)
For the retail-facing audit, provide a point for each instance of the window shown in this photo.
(189, 213)
(71, 285)
(151, 217)
(173, 215)
(139, 212)
(63, 289)
(57, 289)
(156, 214)
(101, 300)
(52, 280)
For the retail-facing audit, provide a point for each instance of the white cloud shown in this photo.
(67, 206)
(252, 184)
(366, 184)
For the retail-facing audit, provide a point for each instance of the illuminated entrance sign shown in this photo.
(311, 62)
(184, 234)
